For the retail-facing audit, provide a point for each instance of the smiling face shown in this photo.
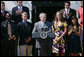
(8, 16)
(19, 3)
(43, 17)
(58, 16)
(67, 5)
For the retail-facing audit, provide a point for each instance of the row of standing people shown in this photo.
(60, 26)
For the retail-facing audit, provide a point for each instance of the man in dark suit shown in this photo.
(16, 12)
(24, 29)
(68, 13)
(40, 47)
(3, 11)
(8, 37)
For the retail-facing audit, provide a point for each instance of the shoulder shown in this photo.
(48, 22)
(73, 10)
(3, 24)
(62, 10)
(29, 23)
(65, 24)
(14, 7)
(6, 12)
(19, 24)
(37, 22)
(25, 7)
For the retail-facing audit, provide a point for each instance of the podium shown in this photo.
(45, 42)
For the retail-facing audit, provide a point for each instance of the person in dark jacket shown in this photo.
(8, 37)
(16, 12)
(24, 32)
(68, 12)
(3, 11)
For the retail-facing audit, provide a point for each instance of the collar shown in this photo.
(24, 21)
(20, 8)
(42, 22)
(66, 10)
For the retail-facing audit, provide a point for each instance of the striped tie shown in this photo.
(9, 30)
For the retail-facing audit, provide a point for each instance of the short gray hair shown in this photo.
(42, 14)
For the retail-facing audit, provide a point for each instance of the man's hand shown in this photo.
(28, 40)
(18, 12)
(14, 38)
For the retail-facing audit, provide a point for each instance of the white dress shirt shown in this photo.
(20, 8)
(67, 11)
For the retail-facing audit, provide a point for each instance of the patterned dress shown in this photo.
(59, 46)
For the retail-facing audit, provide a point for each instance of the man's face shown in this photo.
(2, 6)
(8, 17)
(67, 5)
(19, 3)
(43, 17)
(24, 17)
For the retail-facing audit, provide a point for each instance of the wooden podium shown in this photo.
(45, 40)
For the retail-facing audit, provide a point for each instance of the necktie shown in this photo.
(67, 13)
(25, 24)
(43, 24)
(9, 30)
(19, 8)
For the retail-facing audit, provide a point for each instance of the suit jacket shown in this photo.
(4, 30)
(38, 28)
(24, 32)
(17, 18)
(3, 17)
(72, 13)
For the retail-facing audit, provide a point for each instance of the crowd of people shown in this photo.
(68, 30)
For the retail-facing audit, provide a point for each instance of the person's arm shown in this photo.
(64, 33)
(79, 20)
(14, 31)
(78, 32)
(18, 31)
(53, 30)
(34, 29)
(70, 32)
(29, 38)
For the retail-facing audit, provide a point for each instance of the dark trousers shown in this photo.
(8, 48)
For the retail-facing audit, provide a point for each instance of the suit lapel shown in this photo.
(16, 8)
(70, 13)
(40, 25)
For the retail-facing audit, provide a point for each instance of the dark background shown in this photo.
(49, 7)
